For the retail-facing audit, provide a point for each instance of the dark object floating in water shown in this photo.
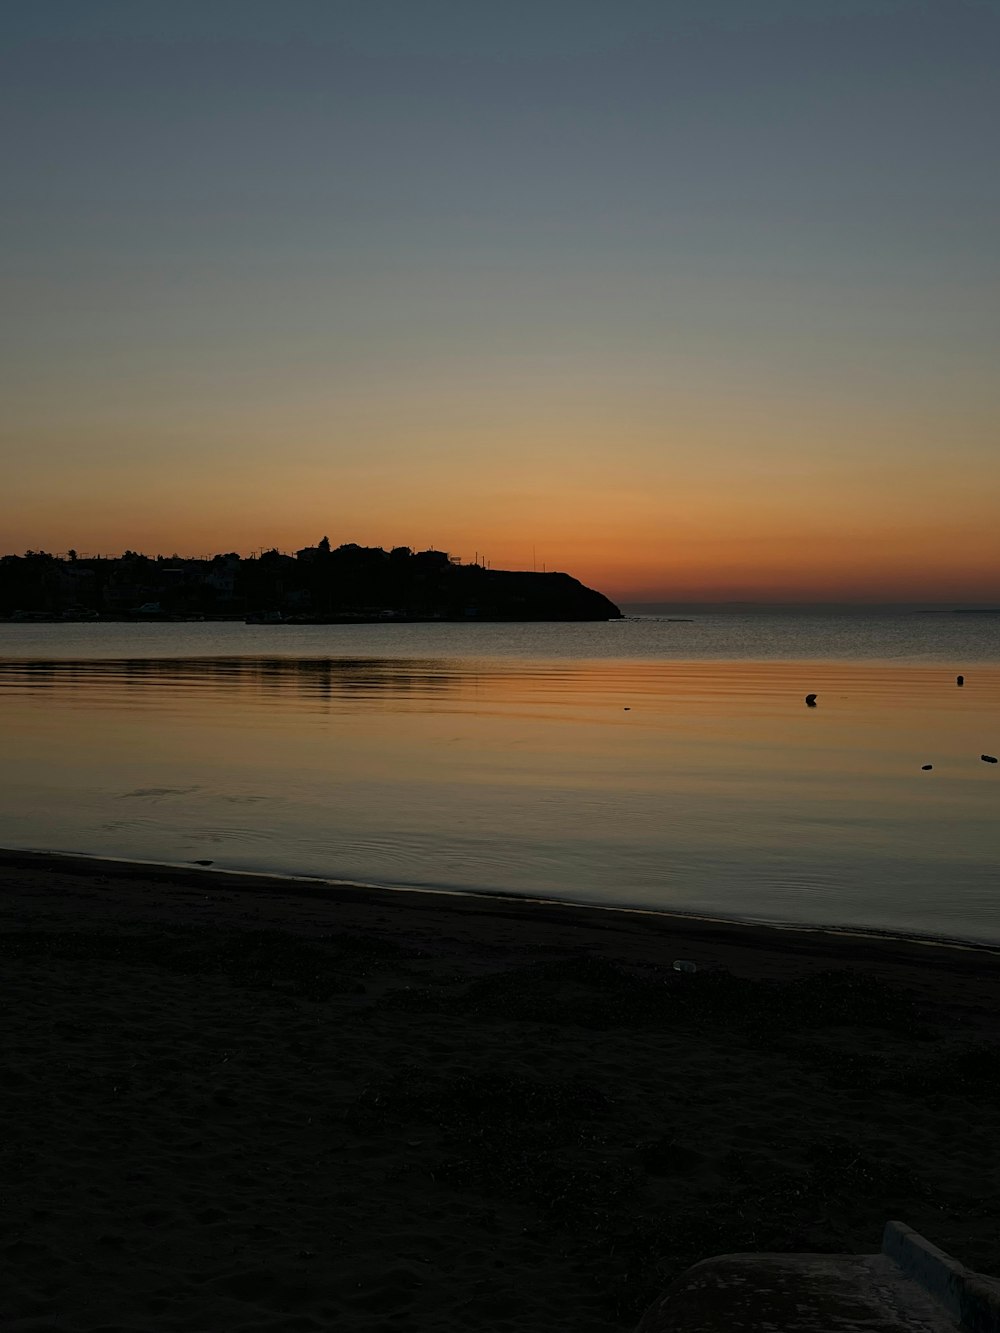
(959, 680)
(679, 620)
(626, 709)
(811, 700)
(926, 767)
(202, 863)
(988, 759)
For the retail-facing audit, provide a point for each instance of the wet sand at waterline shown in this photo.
(242, 1103)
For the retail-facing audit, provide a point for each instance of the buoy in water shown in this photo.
(926, 767)
(810, 701)
(959, 680)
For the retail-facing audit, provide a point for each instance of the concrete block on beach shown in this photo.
(909, 1287)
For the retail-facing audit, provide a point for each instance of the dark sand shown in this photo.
(237, 1103)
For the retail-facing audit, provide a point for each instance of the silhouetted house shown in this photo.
(131, 581)
(221, 575)
(77, 582)
(431, 559)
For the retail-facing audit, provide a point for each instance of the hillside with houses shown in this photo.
(317, 584)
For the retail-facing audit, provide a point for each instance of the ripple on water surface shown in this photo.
(694, 785)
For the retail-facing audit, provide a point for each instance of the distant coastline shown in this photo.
(319, 584)
(139, 618)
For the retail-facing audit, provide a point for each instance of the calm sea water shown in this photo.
(651, 762)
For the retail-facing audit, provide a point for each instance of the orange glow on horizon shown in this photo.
(726, 564)
(719, 507)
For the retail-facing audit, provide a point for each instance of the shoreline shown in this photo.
(246, 1102)
(837, 942)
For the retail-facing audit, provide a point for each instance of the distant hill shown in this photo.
(317, 583)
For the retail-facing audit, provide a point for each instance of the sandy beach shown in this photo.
(238, 1103)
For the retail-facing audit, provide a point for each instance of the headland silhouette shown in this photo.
(315, 585)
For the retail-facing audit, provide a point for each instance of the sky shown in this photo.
(694, 299)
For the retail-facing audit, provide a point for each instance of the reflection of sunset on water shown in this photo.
(694, 785)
